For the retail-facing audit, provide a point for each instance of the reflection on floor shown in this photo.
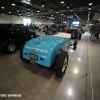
(81, 81)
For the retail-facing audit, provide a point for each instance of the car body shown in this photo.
(66, 29)
(52, 30)
(11, 37)
(46, 50)
(74, 33)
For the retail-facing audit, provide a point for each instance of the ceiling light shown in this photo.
(42, 4)
(38, 10)
(45, 12)
(9, 12)
(29, 0)
(89, 8)
(2, 13)
(67, 5)
(13, 4)
(62, 14)
(89, 12)
(19, 14)
(90, 3)
(62, 1)
(17, 10)
(3, 7)
(71, 10)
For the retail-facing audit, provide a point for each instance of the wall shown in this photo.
(8, 19)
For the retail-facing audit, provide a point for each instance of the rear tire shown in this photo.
(61, 64)
(10, 47)
(21, 57)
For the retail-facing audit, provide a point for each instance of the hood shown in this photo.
(42, 44)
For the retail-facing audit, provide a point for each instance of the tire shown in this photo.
(60, 68)
(80, 36)
(21, 57)
(75, 44)
(10, 47)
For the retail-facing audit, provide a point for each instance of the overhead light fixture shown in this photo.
(19, 14)
(38, 10)
(71, 9)
(62, 14)
(3, 7)
(17, 10)
(67, 5)
(2, 13)
(29, 0)
(42, 4)
(9, 12)
(62, 1)
(45, 12)
(90, 3)
(89, 7)
(13, 4)
(89, 12)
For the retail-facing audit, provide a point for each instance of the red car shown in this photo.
(66, 29)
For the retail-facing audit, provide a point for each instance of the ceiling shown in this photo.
(52, 9)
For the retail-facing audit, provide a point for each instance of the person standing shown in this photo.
(31, 30)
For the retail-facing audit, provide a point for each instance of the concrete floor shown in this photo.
(80, 82)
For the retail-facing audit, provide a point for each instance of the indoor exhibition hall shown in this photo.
(49, 49)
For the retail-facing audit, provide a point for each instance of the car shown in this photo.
(66, 29)
(52, 30)
(12, 37)
(48, 51)
(74, 33)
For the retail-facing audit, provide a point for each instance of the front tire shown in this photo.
(61, 64)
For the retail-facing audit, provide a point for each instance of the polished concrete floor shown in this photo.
(80, 82)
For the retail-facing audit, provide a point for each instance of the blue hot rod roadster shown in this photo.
(47, 50)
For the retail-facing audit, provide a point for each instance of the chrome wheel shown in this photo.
(64, 65)
(11, 47)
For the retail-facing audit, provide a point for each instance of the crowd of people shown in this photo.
(95, 31)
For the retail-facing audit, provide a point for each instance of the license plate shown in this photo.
(32, 56)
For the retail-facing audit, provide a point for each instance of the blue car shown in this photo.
(52, 30)
(46, 51)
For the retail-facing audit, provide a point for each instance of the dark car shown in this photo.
(12, 37)
(52, 30)
(74, 33)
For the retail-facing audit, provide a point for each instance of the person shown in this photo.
(93, 32)
(31, 30)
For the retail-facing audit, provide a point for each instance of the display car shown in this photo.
(52, 30)
(74, 33)
(66, 29)
(12, 37)
(47, 50)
